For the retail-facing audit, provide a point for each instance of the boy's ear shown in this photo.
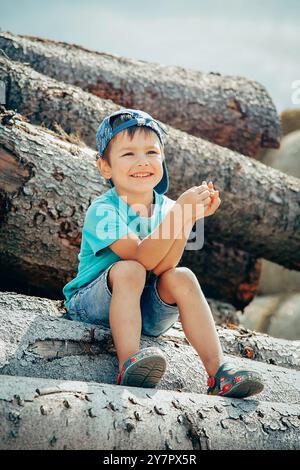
(103, 168)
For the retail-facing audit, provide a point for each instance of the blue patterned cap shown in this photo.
(139, 118)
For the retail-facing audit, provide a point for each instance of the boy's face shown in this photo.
(142, 154)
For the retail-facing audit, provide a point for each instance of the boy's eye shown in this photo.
(130, 153)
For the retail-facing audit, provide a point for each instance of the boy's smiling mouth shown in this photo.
(142, 175)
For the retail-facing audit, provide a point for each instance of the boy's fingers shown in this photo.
(203, 189)
(216, 202)
(204, 194)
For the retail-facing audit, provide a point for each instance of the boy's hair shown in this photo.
(115, 121)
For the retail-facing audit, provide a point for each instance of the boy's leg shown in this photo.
(126, 280)
(180, 285)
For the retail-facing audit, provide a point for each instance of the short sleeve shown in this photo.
(102, 226)
(169, 203)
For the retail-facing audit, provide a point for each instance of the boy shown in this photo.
(127, 276)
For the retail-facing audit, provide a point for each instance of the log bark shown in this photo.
(231, 111)
(39, 342)
(221, 262)
(46, 186)
(45, 414)
(261, 206)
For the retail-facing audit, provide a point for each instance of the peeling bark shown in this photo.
(52, 414)
(39, 342)
(45, 204)
(232, 111)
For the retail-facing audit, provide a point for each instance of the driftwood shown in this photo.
(231, 111)
(37, 341)
(46, 186)
(261, 206)
(52, 414)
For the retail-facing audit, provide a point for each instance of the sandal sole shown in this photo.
(145, 373)
(244, 389)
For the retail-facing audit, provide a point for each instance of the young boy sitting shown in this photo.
(128, 279)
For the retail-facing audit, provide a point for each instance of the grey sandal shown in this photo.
(143, 369)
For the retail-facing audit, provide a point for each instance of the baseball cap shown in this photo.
(139, 118)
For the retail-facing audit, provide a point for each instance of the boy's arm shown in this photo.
(153, 248)
(174, 254)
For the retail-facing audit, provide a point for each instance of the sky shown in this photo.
(259, 40)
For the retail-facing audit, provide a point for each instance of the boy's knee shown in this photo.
(181, 273)
(186, 273)
(129, 271)
(180, 276)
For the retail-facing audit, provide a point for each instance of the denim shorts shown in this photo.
(90, 304)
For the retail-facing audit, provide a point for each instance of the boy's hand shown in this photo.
(215, 201)
(210, 203)
(203, 199)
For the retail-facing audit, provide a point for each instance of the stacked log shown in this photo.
(53, 346)
(231, 111)
(58, 377)
(54, 183)
(59, 374)
(43, 99)
(258, 199)
(52, 414)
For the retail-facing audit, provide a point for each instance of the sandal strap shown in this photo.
(226, 376)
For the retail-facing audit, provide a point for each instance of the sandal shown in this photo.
(143, 369)
(235, 383)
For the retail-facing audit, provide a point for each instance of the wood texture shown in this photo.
(52, 414)
(39, 342)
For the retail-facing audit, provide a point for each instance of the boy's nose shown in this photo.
(143, 162)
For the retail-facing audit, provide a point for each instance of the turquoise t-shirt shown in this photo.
(107, 219)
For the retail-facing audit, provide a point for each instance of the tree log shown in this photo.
(261, 206)
(39, 342)
(231, 111)
(52, 414)
(46, 186)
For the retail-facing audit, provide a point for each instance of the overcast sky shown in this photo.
(258, 39)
